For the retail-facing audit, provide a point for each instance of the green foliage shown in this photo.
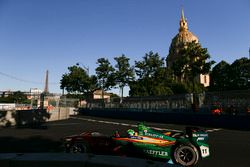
(105, 74)
(16, 97)
(179, 88)
(138, 88)
(161, 90)
(77, 81)
(220, 76)
(231, 77)
(192, 63)
(143, 88)
(113, 95)
(149, 65)
(240, 74)
(52, 102)
(153, 77)
(123, 72)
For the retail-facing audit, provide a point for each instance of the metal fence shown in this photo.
(228, 100)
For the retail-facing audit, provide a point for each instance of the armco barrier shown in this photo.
(74, 160)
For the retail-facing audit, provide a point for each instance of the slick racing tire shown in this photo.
(79, 148)
(186, 155)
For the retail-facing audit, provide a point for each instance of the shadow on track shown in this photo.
(36, 144)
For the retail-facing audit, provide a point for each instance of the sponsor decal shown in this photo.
(200, 138)
(200, 135)
(194, 135)
(154, 135)
(136, 137)
(155, 152)
(203, 135)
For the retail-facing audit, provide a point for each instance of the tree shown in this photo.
(180, 88)
(220, 76)
(77, 81)
(192, 63)
(15, 97)
(105, 75)
(149, 65)
(231, 77)
(240, 74)
(152, 77)
(123, 72)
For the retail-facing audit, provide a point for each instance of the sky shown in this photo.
(40, 35)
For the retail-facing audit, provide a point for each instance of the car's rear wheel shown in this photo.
(186, 155)
(79, 148)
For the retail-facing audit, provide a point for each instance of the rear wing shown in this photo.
(197, 135)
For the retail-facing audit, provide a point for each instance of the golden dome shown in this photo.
(184, 37)
(180, 40)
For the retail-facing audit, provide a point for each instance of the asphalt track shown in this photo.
(229, 148)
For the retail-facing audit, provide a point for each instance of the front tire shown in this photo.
(186, 155)
(79, 148)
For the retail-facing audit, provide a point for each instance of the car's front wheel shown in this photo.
(186, 155)
(79, 148)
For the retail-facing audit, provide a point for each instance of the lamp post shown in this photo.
(87, 70)
(249, 52)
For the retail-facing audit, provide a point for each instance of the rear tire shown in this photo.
(186, 155)
(79, 148)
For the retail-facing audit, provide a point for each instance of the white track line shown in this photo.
(122, 124)
(134, 125)
(63, 124)
(213, 130)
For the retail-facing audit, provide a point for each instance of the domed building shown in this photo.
(180, 41)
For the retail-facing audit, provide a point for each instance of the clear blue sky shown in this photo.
(40, 35)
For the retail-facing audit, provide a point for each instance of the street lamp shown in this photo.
(249, 52)
(85, 68)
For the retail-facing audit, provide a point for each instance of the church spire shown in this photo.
(46, 89)
(183, 22)
(182, 14)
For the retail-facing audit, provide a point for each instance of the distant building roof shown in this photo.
(99, 92)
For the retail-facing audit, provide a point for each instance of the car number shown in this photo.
(204, 151)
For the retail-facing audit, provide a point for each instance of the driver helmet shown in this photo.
(131, 132)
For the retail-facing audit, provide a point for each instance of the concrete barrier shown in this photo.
(59, 113)
(33, 117)
(6, 118)
(74, 160)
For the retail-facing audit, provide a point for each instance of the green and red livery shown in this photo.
(184, 148)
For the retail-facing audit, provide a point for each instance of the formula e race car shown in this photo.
(184, 148)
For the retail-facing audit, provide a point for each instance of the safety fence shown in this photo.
(228, 102)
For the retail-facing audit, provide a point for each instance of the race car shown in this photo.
(184, 148)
